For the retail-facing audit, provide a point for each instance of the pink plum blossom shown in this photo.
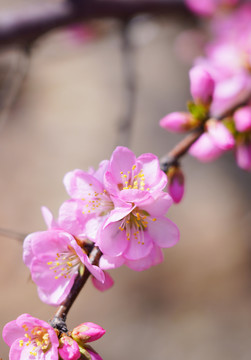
(30, 338)
(138, 220)
(55, 259)
(68, 348)
(70, 219)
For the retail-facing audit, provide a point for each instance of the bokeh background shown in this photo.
(196, 305)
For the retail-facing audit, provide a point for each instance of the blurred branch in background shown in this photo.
(26, 25)
(14, 66)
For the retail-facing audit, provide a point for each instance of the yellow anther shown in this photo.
(90, 184)
(69, 263)
(21, 343)
(133, 167)
(49, 262)
(56, 277)
(154, 219)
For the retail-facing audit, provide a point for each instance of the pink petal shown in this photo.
(48, 218)
(108, 283)
(122, 160)
(158, 206)
(205, 149)
(118, 214)
(107, 262)
(80, 184)
(71, 217)
(221, 136)
(155, 179)
(138, 248)
(112, 240)
(15, 351)
(155, 257)
(11, 332)
(164, 232)
(51, 291)
(94, 355)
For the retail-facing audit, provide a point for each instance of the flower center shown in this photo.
(65, 263)
(98, 203)
(135, 224)
(131, 180)
(37, 338)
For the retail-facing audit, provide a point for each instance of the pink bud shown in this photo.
(201, 85)
(68, 348)
(176, 122)
(242, 119)
(243, 156)
(205, 149)
(176, 184)
(87, 332)
(220, 135)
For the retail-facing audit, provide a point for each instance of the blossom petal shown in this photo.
(107, 262)
(108, 283)
(112, 240)
(164, 232)
(11, 332)
(205, 149)
(79, 184)
(155, 257)
(140, 247)
(15, 351)
(155, 179)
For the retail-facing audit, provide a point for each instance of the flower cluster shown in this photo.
(120, 208)
(30, 338)
(220, 84)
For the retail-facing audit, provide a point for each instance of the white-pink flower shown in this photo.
(138, 221)
(31, 339)
(55, 259)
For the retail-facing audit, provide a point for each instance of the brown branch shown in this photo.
(26, 25)
(59, 319)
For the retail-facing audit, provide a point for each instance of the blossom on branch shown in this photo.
(30, 338)
(55, 259)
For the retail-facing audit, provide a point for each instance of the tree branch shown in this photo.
(26, 25)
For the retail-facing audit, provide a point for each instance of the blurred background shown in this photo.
(67, 115)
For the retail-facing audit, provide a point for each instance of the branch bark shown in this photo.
(26, 25)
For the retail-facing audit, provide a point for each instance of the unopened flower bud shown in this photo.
(87, 332)
(243, 156)
(177, 122)
(201, 85)
(220, 135)
(176, 183)
(68, 348)
(242, 119)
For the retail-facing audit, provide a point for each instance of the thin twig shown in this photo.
(26, 25)
(59, 319)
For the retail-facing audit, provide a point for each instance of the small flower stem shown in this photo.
(59, 319)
